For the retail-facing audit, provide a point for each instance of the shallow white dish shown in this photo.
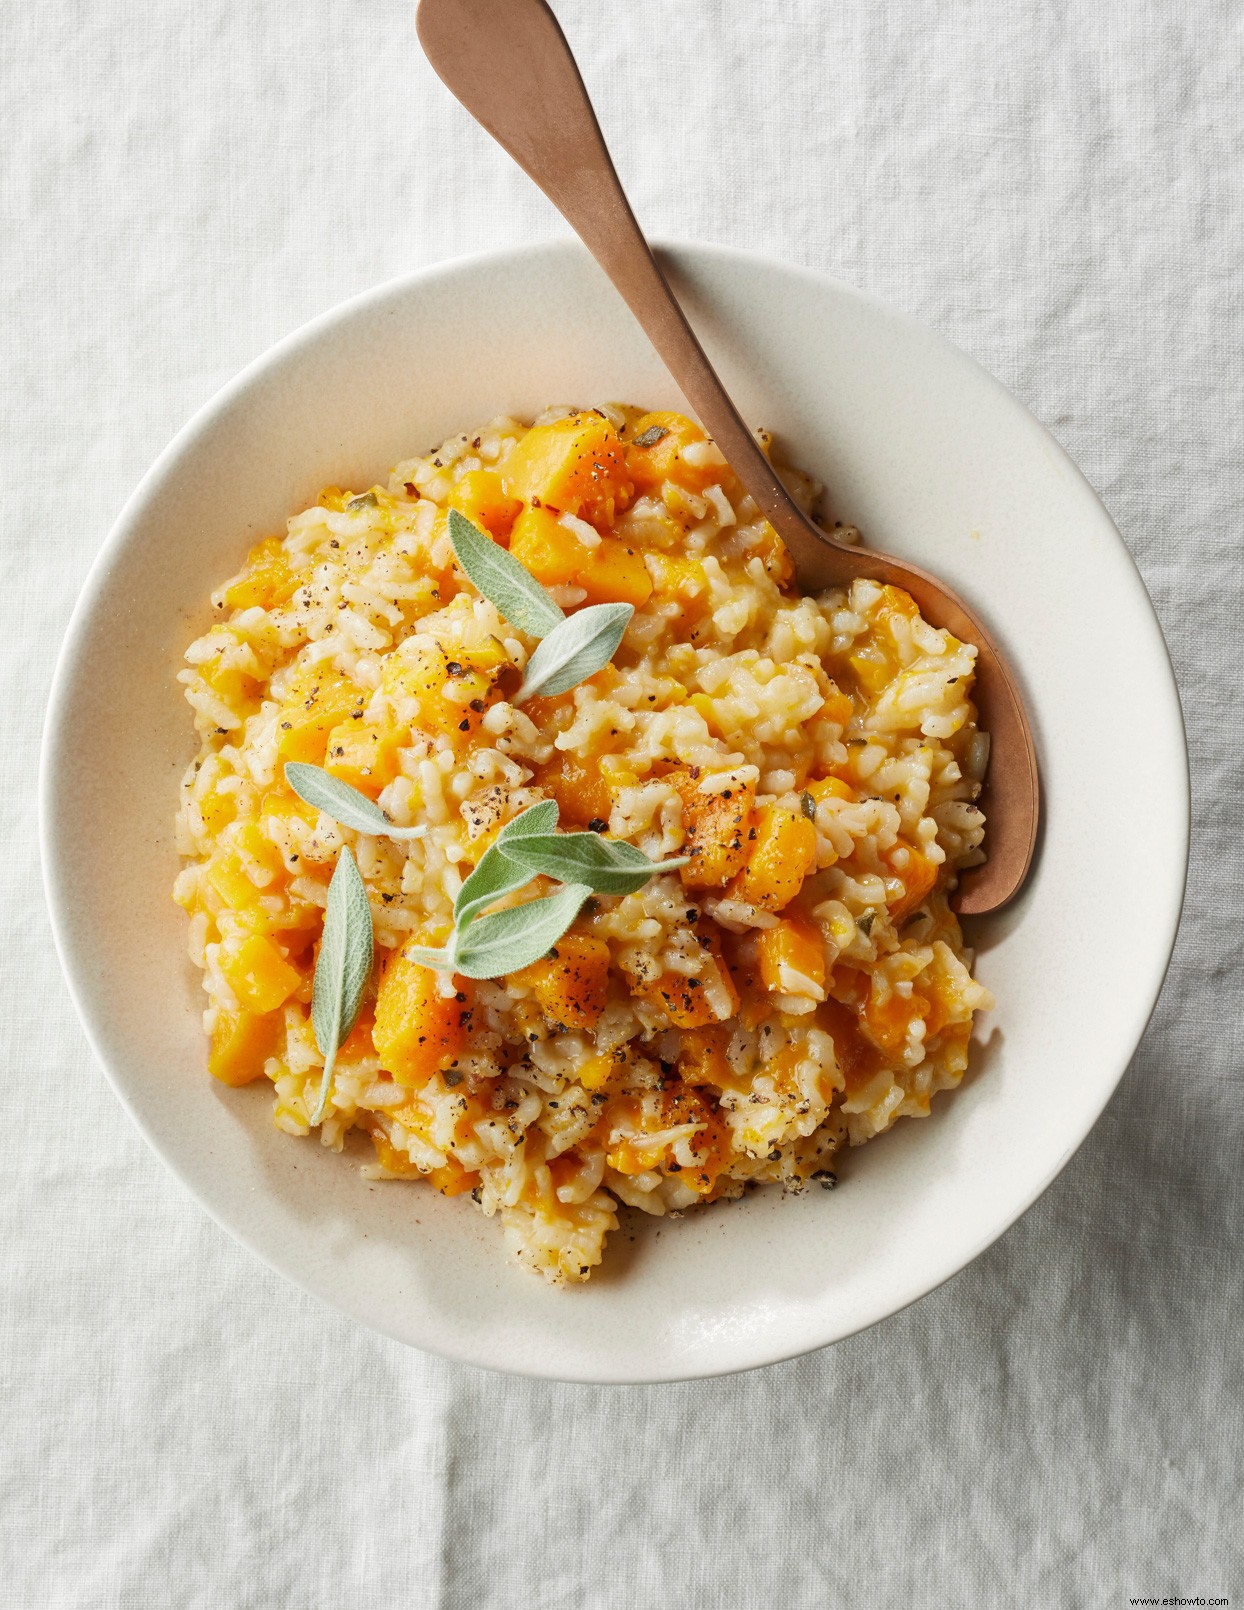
(933, 460)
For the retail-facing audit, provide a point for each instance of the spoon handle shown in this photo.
(508, 62)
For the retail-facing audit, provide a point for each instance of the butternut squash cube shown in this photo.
(792, 958)
(436, 693)
(319, 700)
(918, 875)
(259, 975)
(655, 453)
(839, 707)
(392, 1160)
(418, 1031)
(235, 687)
(857, 1056)
(571, 983)
(693, 1002)
(241, 1043)
(415, 675)
(267, 579)
(715, 829)
(702, 1057)
(553, 554)
(576, 465)
(888, 1017)
(482, 497)
(682, 581)
(829, 788)
(684, 999)
(451, 1179)
(225, 874)
(363, 754)
(578, 786)
(596, 1072)
(615, 574)
(217, 810)
(781, 853)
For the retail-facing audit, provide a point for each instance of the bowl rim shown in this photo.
(164, 466)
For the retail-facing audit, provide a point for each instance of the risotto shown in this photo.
(794, 982)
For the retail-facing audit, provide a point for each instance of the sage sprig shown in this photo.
(497, 874)
(341, 969)
(575, 650)
(502, 579)
(572, 648)
(606, 866)
(486, 946)
(342, 802)
(505, 941)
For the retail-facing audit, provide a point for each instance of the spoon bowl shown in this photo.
(509, 64)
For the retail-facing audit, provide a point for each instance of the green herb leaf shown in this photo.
(343, 803)
(497, 874)
(507, 940)
(607, 866)
(342, 969)
(439, 960)
(575, 650)
(502, 580)
(651, 436)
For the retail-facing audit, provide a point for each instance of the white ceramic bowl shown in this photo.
(933, 459)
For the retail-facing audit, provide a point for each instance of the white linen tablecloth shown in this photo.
(1059, 188)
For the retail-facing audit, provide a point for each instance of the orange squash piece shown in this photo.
(702, 1057)
(615, 574)
(888, 1018)
(578, 786)
(681, 580)
(655, 452)
(792, 957)
(363, 754)
(241, 1043)
(418, 1031)
(319, 699)
(482, 497)
(715, 828)
(829, 788)
(918, 874)
(259, 975)
(781, 853)
(541, 543)
(438, 693)
(267, 580)
(571, 983)
(576, 465)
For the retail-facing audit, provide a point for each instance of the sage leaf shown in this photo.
(575, 650)
(651, 436)
(440, 961)
(506, 940)
(502, 580)
(497, 874)
(342, 968)
(607, 866)
(343, 803)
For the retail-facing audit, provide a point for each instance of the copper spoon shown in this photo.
(508, 62)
